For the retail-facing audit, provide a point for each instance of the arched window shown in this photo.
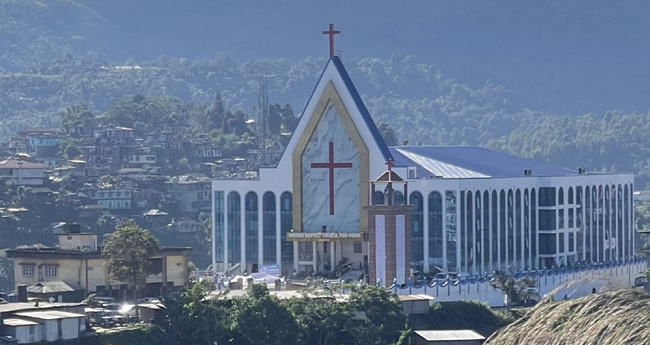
(486, 232)
(511, 237)
(218, 225)
(607, 231)
(286, 224)
(601, 224)
(470, 242)
(502, 228)
(560, 196)
(494, 230)
(626, 221)
(234, 228)
(251, 227)
(570, 195)
(398, 197)
(587, 222)
(435, 229)
(268, 228)
(451, 230)
(533, 228)
(619, 221)
(417, 230)
(518, 230)
(526, 263)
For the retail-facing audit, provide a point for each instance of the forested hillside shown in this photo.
(562, 82)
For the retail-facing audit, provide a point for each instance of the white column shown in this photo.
(332, 248)
(425, 232)
(315, 256)
(522, 226)
(296, 256)
(260, 230)
(459, 233)
(213, 238)
(380, 249)
(400, 247)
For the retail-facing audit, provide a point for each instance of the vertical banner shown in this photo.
(400, 250)
(380, 248)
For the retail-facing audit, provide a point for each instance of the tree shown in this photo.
(387, 133)
(6, 272)
(260, 318)
(514, 291)
(128, 251)
(384, 320)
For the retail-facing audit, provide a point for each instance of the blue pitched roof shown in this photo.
(470, 162)
(379, 140)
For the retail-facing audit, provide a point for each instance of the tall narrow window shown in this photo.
(533, 227)
(511, 240)
(560, 196)
(619, 217)
(286, 224)
(219, 216)
(450, 223)
(470, 242)
(486, 232)
(417, 233)
(526, 229)
(269, 227)
(588, 221)
(251, 227)
(435, 229)
(462, 233)
(601, 225)
(494, 230)
(570, 195)
(502, 228)
(234, 228)
(626, 217)
(518, 230)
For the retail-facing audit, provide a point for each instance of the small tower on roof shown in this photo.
(389, 240)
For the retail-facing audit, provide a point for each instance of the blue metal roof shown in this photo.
(379, 140)
(470, 162)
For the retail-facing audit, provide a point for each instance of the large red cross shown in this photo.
(331, 32)
(331, 166)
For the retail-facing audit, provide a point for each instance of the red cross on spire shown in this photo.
(390, 164)
(331, 32)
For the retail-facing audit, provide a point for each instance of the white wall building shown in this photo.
(476, 210)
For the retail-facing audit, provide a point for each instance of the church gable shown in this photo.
(330, 167)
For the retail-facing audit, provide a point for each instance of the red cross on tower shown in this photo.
(390, 164)
(331, 166)
(331, 32)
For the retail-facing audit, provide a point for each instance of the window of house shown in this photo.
(358, 249)
(28, 270)
(412, 173)
(49, 271)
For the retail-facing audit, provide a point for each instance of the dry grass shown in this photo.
(599, 319)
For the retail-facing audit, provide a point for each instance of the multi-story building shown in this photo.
(474, 210)
(191, 192)
(112, 197)
(16, 171)
(78, 260)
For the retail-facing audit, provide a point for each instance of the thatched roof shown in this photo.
(604, 318)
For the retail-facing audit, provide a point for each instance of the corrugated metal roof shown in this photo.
(464, 334)
(49, 315)
(18, 322)
(53, 287)
(471, 162)
(437, 168)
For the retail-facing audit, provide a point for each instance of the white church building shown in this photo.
(475, 210)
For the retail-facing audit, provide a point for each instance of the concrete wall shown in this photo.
(77, 242)
(574, 285)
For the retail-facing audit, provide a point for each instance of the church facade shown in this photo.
(473, 210)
